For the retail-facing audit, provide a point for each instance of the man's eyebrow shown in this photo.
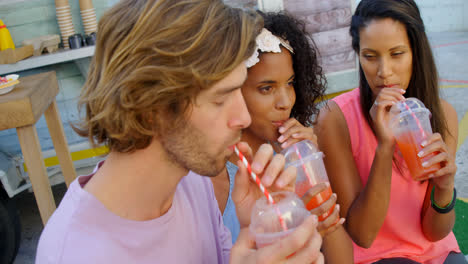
(229, 89)
(292, 77)
(226, 90)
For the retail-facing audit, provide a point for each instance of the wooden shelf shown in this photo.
(47, 59)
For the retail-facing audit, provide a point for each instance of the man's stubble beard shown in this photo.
(186, 148)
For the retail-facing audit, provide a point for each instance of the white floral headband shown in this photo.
(267, 42)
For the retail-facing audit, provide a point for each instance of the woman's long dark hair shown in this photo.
(424, 80)
(310, 81)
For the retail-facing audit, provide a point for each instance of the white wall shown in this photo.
(270, 5)
(446, 15)
(443, 15)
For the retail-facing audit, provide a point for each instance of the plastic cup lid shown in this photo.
(408, 107)
(288, 206)
(301, 152)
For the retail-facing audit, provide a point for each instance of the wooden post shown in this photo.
(32, 154)
(60, 142)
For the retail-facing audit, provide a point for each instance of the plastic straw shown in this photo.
(421, 129)
(260, 185)
(304, 167)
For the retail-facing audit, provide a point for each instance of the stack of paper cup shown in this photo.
(64, 19)
(88, 16)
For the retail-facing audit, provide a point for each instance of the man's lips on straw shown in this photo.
(231, 147)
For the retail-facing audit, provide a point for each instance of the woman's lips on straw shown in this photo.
(387, 86)
(278, 123)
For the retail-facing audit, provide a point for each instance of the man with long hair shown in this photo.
(163, 93)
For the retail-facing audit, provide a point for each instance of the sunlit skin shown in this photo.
(269, 95)
(214, 123)
(389, 78)
(385, 55)
(386, 58)
(217, 117)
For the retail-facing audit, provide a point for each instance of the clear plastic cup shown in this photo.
(265, 223)
(411, 125)
(308, 160)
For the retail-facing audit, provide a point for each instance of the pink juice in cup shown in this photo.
(308, 160)
(265, 223)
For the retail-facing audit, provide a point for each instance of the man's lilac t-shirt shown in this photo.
(82, 230)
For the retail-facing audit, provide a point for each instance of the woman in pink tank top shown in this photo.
(390, 217)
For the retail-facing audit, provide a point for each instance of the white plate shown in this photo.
(8, 89)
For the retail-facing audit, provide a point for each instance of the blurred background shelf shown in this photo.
(81, 57)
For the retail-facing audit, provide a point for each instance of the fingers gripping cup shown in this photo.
(265, 223)
(411, 126)
(308, 160)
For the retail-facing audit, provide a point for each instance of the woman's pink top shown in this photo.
(401, 233)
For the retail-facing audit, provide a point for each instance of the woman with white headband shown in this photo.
(283, 83)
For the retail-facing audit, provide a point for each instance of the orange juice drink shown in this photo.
(308, 161)
(411, 126)
(317, 200)
(410, 149)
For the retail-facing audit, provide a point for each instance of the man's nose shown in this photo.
(240, 114)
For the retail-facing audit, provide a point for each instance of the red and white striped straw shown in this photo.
(260, 185)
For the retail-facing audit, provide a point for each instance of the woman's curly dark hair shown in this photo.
(310, 82)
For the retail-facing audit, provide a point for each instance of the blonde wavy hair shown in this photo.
(152, 59)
